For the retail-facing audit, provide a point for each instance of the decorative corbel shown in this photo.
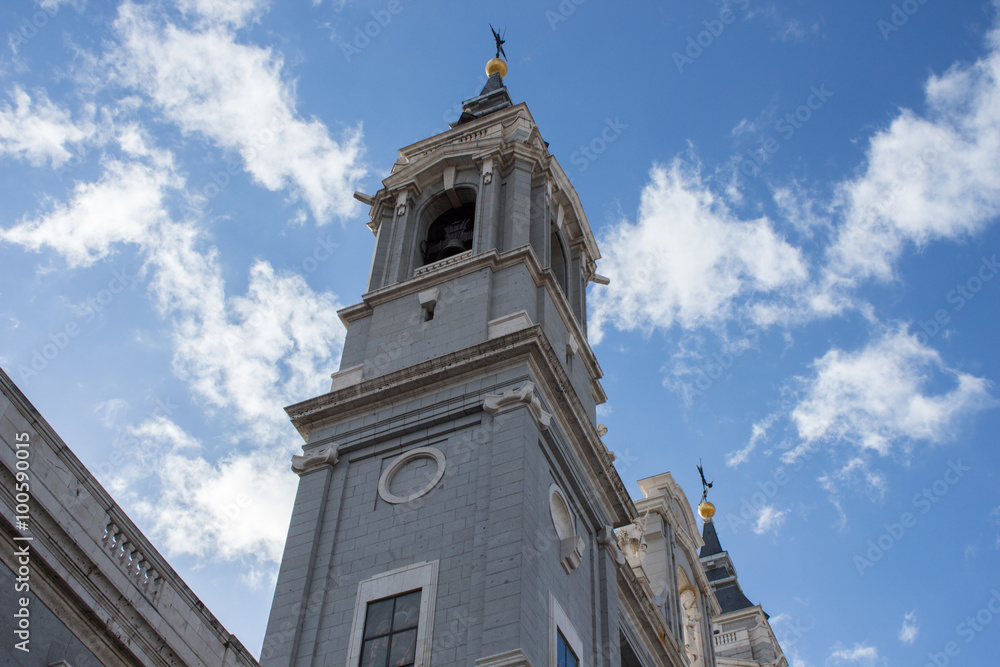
(487, 170)
(571, 552)
(525, 394)
(327, 455)
(402, 197)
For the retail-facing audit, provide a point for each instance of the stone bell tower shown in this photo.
(455, 502)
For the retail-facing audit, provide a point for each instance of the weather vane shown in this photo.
(499, 40)
(705, 486)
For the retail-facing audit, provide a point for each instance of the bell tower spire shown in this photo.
(453, 482)
(742, 633)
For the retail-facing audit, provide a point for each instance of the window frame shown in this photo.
(423, 576)
(559, 623)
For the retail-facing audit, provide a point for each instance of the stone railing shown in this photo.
(131, 560)
(735, 637)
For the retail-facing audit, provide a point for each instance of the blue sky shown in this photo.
(797, 205)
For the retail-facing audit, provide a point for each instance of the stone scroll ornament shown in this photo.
(327, 455)
(524, 395)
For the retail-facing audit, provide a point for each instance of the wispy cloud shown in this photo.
(769, 519)
(687, 260)
(758, 435)
(242, 355)
(123, 206)
(859, 654)
(234, 94)
(39, 131)
(911, 630)
(878, 396)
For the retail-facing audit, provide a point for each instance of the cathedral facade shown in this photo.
(456, 503)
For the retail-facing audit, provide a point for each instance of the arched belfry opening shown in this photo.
(451, 230)
(559, 259)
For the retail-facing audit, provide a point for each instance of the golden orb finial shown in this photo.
(496, 65)
(706, 510)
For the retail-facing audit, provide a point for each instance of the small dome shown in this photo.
(496, 65)
(706, 510)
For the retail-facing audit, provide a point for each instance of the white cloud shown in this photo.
(276, 344)
(237, 508)
(859, 654)
(879, 395)
(39, 131)
(53, 5)
(857, 472)
(769, 519)
(233, 12)
(688, 259)
(124, 206)
(759, 434)
(246, 355)
(926, 178)
(206, 82)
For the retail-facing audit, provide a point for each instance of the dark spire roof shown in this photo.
(493, 97)
(729, 595)
(731, 598)
(711, 539)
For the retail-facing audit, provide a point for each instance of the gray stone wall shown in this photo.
(52, 640)
(487, 522)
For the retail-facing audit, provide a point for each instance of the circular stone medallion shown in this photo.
(400, 462)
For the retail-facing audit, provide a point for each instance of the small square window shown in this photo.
(390, 634)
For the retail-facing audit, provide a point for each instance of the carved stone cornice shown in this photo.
(527, 346)
(462, 264)
(515, 658)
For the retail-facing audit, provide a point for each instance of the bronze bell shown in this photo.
(453, 247)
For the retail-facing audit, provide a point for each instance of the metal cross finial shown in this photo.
(499, 40)
(705, 486)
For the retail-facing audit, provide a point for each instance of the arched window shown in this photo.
(450, 233)
(558, 259)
